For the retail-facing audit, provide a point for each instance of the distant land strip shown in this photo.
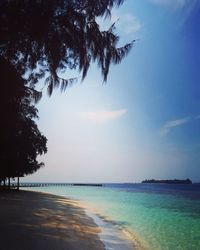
(175, 181)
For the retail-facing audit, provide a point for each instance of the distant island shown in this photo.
(175, 181)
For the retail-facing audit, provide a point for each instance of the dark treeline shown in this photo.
(175, 181)
(21, 141)
(40, 40)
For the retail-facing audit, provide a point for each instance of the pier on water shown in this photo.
(45, 184)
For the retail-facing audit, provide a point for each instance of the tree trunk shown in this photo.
(4, 182)
(17, 182)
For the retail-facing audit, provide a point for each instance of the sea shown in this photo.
(158, 216)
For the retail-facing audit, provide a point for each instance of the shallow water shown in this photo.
(160, 216)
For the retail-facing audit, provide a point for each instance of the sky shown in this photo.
(144, 122)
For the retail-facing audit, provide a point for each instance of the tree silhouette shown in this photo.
(42, 38)
(21, 141)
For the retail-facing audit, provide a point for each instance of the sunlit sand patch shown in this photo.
(43, 222)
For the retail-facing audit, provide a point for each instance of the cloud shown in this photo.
(172, 124)
(103, 116)
(175, 123)
(126, 23)
(129, 24)
(177, 4)
(185, 8)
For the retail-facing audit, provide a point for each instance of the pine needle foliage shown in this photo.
(41, 38)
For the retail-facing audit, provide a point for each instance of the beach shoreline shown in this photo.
(40, 220)
(124, 236)
(111, 234)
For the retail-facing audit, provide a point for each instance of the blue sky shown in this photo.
(145, 121)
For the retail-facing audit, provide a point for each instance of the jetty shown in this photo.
(46, 184)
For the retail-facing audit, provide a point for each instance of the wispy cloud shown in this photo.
(125, 23)
(168, 126)
(178, 4)
(185, 8)
(129, 24)
(103, 116)
(172, 124)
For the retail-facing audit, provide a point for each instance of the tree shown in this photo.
(42, 38)
(21, 141)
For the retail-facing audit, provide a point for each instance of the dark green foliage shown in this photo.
(21, 141)
(42, 38)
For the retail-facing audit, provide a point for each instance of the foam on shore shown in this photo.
(110, 235)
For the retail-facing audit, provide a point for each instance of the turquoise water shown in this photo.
(160, 216)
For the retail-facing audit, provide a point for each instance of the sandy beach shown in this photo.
(33, 220)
